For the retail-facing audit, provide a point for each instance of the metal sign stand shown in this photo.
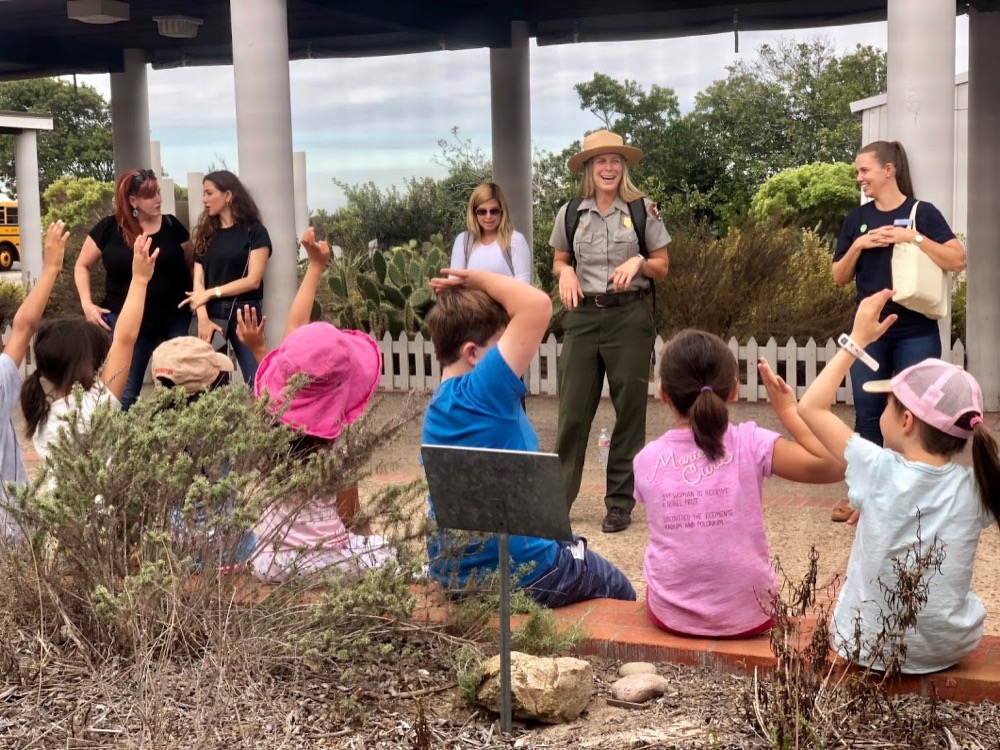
(498, 492)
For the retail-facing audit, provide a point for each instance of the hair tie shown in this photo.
(706, 388)
(974, 421)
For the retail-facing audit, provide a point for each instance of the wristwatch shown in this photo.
(918, 238)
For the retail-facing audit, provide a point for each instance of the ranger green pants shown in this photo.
(617, 341)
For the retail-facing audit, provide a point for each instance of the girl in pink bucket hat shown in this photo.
(342, 371)
(913, 498)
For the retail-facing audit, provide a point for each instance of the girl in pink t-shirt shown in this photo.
(707, 567)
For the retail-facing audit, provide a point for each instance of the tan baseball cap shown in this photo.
(189, 362)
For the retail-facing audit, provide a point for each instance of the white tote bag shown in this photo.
(920, 283)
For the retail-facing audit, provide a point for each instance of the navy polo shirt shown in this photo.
(874, 268)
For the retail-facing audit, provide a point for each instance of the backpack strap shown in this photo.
(637, 210)
(572, 221)
(468, 247)
(505, 251)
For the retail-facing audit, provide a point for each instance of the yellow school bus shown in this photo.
(10, 235)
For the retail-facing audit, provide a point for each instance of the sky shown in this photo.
(380, 118)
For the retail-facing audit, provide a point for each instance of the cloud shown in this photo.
(380, 118)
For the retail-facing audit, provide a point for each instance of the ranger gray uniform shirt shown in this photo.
(604, 242)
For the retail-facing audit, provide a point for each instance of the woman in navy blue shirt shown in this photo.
(864, 254)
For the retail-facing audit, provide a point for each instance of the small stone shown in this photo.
(637, 667)
(639, 688)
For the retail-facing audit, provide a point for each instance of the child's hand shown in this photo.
(318, 252)
(143, 262)
(867, 327)
(451, 278)
(248, 329)
(780, 394)
(55, 245)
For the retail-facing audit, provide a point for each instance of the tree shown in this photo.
(788, 107)
(815, 196)
(79, 144)
(680, 169)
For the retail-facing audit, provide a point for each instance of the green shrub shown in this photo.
(11, 297)
(761, 279)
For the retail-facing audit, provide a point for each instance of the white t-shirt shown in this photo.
(889, 490)
(490, 257)
(11, 460)
(48, 430)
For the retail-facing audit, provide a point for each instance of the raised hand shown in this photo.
(779, 393)
(143, 262)
(55, 245)
(867, 326)
(318, 252)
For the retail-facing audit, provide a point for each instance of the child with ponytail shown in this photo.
(71, 351)
(910, 494)
(707, 566)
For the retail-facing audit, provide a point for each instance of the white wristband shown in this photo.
(852, 347)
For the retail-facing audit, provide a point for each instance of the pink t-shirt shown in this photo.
(707, 567)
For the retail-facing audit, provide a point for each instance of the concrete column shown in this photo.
(983, 273)
(510, 108)
(301, 202)
(264, 141)
(29, 203)
(195, 206)
(130, 114)
(155, 163)
(921, 101)
(169, 204)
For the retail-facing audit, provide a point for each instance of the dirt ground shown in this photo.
(792, 531)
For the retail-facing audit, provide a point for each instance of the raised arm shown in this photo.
(814, 408)
(530, 310)
(114, 374)
(30, 312)
(300, 312)
(803, 458)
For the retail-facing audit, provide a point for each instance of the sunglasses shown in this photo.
(489, 211)
(142, 175)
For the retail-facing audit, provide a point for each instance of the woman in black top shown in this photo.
(231, 252)
(137, 210)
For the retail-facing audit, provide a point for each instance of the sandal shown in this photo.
(841, 513)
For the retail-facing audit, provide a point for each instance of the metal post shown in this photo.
(504, 572)
(29, 203)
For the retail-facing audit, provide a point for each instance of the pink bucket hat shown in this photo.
(938, 393)
(343, 370)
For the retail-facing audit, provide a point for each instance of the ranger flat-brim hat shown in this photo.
(604, 142)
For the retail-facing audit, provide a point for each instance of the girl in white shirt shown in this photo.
(491, 243)
(71, 351)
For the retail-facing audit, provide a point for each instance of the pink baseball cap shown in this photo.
(343, 370)
(937, 392)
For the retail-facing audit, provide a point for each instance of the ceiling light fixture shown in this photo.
(97, 11)
(178, 27)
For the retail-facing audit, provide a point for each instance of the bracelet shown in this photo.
(218, 292)
(854, 348)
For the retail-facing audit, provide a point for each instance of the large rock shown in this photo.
(551, 690)
(639, 688)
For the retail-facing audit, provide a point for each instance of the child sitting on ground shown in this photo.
(707, 566)
(910, 493)
(486, 329)
(70, 351)
(342, 370)
(22, 328)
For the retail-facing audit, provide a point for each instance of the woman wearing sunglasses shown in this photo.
(137, 210)
(491, 243)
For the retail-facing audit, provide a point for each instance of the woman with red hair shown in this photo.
(137, 210)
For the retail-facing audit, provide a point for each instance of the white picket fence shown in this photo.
(408, 364)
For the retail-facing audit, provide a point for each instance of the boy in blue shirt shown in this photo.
(486, 329)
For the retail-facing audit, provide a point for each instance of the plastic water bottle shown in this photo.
(603, 447)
